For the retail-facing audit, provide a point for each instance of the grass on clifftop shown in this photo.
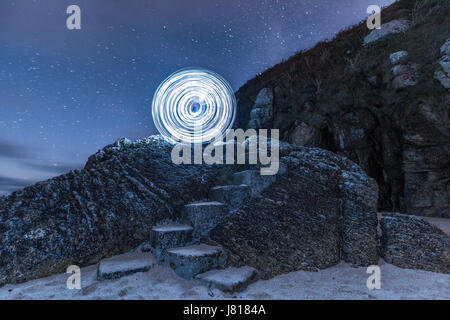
(338, 70)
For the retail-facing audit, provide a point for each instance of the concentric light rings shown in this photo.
(193, 106)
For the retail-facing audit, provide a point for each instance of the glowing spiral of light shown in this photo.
(193, 106)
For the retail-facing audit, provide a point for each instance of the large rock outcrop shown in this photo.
(105, 209)
(321, 209)
(385, 110)
(411, 242)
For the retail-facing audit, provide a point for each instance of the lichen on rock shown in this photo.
(105, 209)
(320, 210)
(411, 242)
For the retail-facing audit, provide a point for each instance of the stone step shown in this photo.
(233, 195)
(170, 236)
(192, 260)
(124, 264)
(229, 279)
(254, 180)
(204, 216)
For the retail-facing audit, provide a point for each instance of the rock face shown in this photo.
(192, 260)
(204, 216)
(230, 279)
(170, 236)
(445, 63)
(443, 78)
(410, 242)
(124, 264)
(261, 114)
(375, 104)
(322, 209)
(445, 48)
(234, 195)
(405, 74)
(399, 57)
(254, 180)
(106, 209)
(318, 211)
(443, 73)
(395, 26)
(302, 135)
(426, 162)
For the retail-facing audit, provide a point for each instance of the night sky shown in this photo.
(66, 93)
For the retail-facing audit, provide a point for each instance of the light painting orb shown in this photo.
(193, 106)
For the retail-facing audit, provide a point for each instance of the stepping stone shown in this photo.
(170, 236)
(204, 216)
(233, 195)
(254, 180)
(124, 264)
(230, 279)
(192, 260)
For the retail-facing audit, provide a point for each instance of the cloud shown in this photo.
(14, 151)
(9, 184)
(55, 168)
(26, 161)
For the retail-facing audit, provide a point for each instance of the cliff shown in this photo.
(379, 97)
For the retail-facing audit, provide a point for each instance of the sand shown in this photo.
(338, 282)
